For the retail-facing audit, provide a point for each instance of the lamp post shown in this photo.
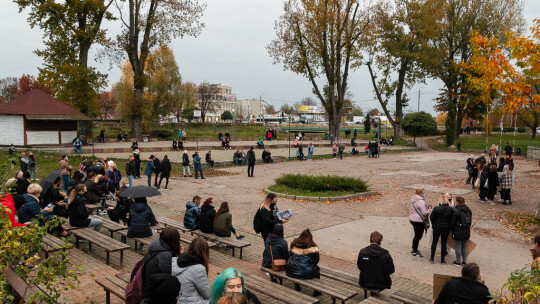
(289, 135)
(233, 122)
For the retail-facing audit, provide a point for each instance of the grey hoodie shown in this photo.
(195, 288)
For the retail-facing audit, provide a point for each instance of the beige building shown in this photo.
(248, 109)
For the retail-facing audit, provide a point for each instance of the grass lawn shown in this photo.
(292, 191)
(478, 142)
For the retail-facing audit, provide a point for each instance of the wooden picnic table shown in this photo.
(112, 226)
(100, 240)
(232, 242)
(52, 244)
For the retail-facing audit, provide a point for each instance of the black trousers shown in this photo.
(166, 181)
(443, 234)
(491, 192)
(418, 233)
(505, 195)
(251, 167)
(483, 192)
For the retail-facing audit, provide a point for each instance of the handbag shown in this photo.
(277, 264)
(424, 220)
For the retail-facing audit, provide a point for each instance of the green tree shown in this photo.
(187, 113)
(147, 24)
(70, 29)
(187, 98)
(357, 111)
(399, 49)
(226, 115)
(287, 109)
(367, 124)
(419, 124)
(320, 39)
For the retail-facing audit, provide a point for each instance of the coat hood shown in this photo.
(374, 250)
(190, 205)
(206, 208)
(274, 240)
(158, 245)
(185, 260)
(139, 207)
(415, 198)
(306, 251)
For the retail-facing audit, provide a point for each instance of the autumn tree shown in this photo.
(321, 40)
(147, 24)
(508, 72)
(399, 51)
(207, 94)
(441, 119)
(70, 29)
(453, 48)
(187, 97)
(107, 105)
(270, 110)
(27, 83)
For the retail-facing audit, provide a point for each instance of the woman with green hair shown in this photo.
(230, 280)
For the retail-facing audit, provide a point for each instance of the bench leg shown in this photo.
(280, 281)
(241, 249)
(77, 241)
(111, 234)
(121, 257)
(233, 251)
(333, 300)
(107, 297)
(108, 258)
(46, 255)
(136, 245)
(89, 246)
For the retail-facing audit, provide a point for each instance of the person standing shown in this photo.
(483, 183)
(310, 151)
(331, 140)
(418, 214)
(131, 170)
(197, 165)
(65, 171)
(508, 149)
(334, 150)
(32, 165)
(165, 171)
(157, 170)
(493, 184)
(441, 219)
(266, 215)
(185, 164)
(150, 168)
(137, 157)
(340, 151)
(355, 133)
(102, 136)
(23, 162)
(184, 134)
(506, 185)
(375, 264)
(469, 168)
(461, 230)
(251, 161)
(115, 177)
(459, 146)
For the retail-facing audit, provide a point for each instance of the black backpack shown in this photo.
(465, 221)
(257, 222)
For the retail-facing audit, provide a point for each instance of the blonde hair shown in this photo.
(125, 182)
(34, 189)
(97, 178)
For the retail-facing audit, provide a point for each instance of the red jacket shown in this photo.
(7, 201)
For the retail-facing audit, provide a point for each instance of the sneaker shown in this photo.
(509, 202)
(504, 203)
(464, 263)
(417, 254)
(431, 261)
(443, 262)
(458, 264)
(185, 175)
(491, 203)
(240, 237)
(142, 247)
(500, 200)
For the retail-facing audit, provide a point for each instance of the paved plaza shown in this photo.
(342, 229)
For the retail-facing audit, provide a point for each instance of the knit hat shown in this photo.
(164, 288)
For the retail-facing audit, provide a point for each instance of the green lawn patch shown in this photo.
(478, 142)
(330, 185)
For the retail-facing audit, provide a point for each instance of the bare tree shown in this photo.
(207, 99)
(107, 104)
(308, 101)
(8, 89)
(187, 97)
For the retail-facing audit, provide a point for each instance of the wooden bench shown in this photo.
(68, 227)
(114, 285)
(93, 207)
(409, 298)
(346, 278)
(373, 300)
(112, 226)
(232, 242)
(20, 288)
(100, 240)
(334, 291)
(52, 244)
(186, 238)
(175, 224)
(276, 291)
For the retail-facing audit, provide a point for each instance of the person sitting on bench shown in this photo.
(223, 222)
(260, 143)
(375, 265)
(304, 259)
(164, 289)
(237, 158)
(180, 145)
(78, 214)
(141, 218)
(469, 288)
(209, 159)
(174, 144)
(267, 156)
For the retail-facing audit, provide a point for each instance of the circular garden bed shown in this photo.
(319, 188)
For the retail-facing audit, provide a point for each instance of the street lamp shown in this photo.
(289, 135)
(233, 122)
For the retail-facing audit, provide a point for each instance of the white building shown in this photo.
(250, 109)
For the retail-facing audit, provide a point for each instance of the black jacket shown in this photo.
(185, 159)
(157, 165)
(268, 220)
(165, 168)
(250, 156)
(22, 186)
(280, 250)
(141, 218)
(160, 263)
(441, 217)
(459, 231)
(131, 168)
(302, 263)
(493, 180)
(93, 193)
(483, 178)
(78, 214)
(470, 163)
(463, 291)
(508, 149)
(98, 169)
(206, 218)
(376, 266)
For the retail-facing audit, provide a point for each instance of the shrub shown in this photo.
(322, 183)
(160, 134)
(419, 124)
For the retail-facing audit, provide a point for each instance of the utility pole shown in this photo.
(289, 135)
(418, 100)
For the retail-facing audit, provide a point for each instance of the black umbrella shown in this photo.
(49, 181)
(140, 191)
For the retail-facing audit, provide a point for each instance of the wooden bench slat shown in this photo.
(340, 276)
(173, 223)
(100, 240)
(277, 291)
(20, 286)
(409, 298)
(111, 286)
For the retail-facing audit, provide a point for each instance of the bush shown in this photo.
(322, 183)
(160, 134)
(419, 124)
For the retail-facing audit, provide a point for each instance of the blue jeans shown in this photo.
(310, 155)
(196, 173)
(188, 170)
(461, 251)
(65, 182)
(369, 153)
(78, 149)
(341, 155)
(33, 173)
(130, 179)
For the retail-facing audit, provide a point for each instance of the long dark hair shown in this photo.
(224, 207)
(74, 193)
(199, 248)
(171, 237)
(305, 240)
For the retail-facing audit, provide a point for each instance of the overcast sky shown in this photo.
(230, 50)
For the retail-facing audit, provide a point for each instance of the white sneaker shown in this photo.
(492, 203)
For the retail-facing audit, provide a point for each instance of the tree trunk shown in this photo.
(136, 117)
(451, 122)
(398, 131)
(136, 126)
(458, 125)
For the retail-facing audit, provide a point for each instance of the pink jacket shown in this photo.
(418, 202)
